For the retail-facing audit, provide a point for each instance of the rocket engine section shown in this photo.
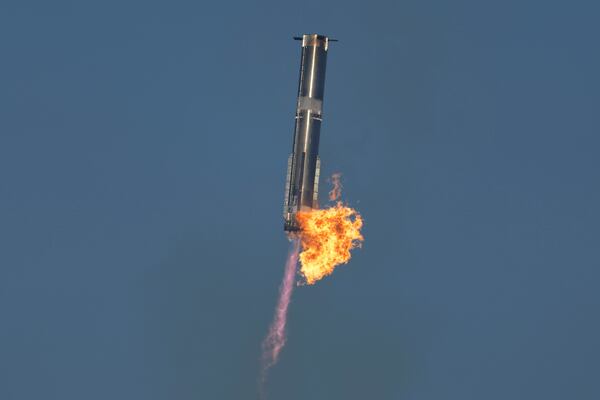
(302, 182)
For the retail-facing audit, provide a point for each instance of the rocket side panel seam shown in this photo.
(316, 186)
(287, 186)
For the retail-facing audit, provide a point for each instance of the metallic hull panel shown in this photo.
(302, 181)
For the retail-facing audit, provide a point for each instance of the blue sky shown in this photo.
(143, 149)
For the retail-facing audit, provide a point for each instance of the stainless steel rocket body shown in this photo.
(302, 183)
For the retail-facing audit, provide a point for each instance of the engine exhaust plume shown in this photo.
(327, 236)
(275, 339)
(336, 192)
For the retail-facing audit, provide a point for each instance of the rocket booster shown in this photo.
(302, 182)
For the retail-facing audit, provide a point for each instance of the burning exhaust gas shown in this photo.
(327, 236)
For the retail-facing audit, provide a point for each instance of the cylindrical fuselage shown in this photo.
(303, 165)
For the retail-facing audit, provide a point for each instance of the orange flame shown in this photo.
(327, 236)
